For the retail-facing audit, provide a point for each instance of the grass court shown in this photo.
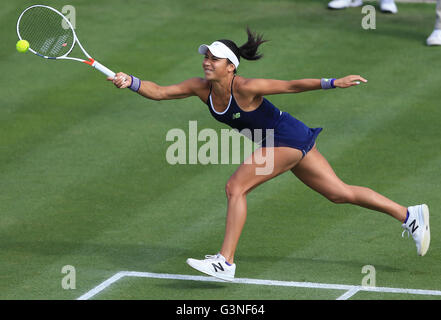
(84, 180)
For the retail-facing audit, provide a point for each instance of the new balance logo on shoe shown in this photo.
(413, 226)
(218, 266)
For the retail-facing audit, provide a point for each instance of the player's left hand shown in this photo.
(349, 81)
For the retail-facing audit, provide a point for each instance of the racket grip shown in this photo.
(103, 69)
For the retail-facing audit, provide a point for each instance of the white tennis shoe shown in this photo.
(417, 225)
(215, 266)
(388, 6)
(342, 4)
(435, 38)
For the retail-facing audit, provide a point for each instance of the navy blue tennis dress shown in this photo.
(287, 130)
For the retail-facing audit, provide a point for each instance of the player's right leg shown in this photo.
(244, 179)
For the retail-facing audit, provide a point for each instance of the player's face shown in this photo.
(215, 68)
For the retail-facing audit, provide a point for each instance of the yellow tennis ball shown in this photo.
(22, 46)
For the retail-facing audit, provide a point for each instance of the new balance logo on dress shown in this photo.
(236, 115)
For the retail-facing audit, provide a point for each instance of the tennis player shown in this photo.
(240, 103)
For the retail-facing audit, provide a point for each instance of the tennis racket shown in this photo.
(51, 36)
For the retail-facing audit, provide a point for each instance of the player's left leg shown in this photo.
(315, 171)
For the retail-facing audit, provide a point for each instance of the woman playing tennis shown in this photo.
(240, 103)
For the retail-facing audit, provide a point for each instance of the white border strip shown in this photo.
(350, 289)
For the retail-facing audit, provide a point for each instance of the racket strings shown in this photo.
(46, 32)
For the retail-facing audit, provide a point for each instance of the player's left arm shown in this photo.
(262, 87)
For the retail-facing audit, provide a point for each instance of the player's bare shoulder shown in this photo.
(243, 85)
(244, 88)
(200, 87)
(199, 83)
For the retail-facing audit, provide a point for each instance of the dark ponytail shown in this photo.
(249, 49)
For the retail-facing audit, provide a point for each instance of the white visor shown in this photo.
(220, 50)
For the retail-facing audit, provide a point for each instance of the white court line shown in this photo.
(349, 293)
(102, 286)
(350, 289)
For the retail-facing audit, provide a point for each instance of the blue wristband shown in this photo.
(136, 84)
(327, 83)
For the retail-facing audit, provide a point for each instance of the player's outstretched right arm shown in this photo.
(154, 91)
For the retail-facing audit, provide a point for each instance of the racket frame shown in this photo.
(91, 62)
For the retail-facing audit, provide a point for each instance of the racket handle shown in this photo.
(103, 69)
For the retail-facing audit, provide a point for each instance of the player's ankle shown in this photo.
(228, 258)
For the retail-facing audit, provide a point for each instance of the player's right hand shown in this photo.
(121, 80)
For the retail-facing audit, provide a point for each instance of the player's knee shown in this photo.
(342, 196)
(233, 189)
